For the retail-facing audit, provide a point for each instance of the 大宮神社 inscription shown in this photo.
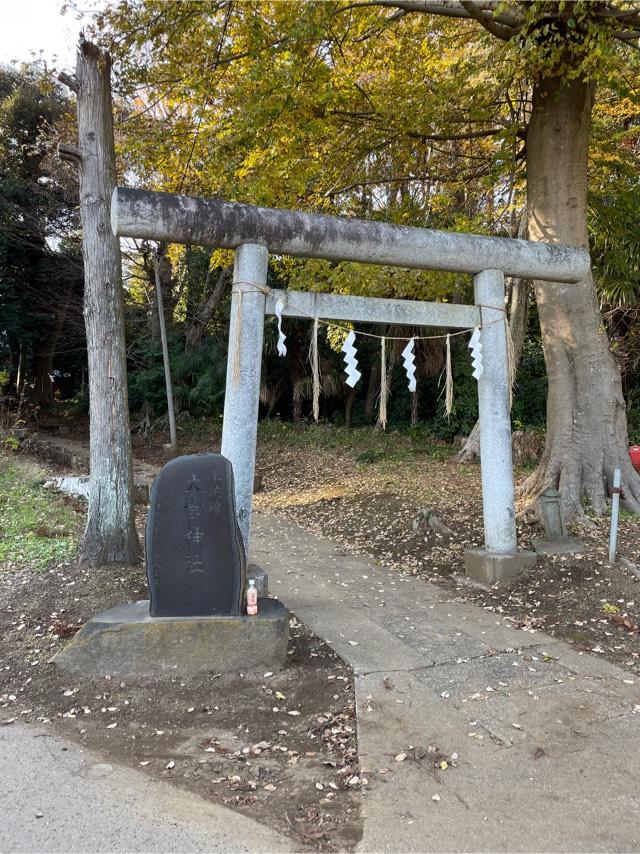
(194, 550)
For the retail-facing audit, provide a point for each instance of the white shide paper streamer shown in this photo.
(351, 363)
(409, 361)
(475, 345)
(282, 349)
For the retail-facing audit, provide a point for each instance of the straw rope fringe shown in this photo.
(315, 367)
(384, 386)
(238, 343)
(511, 360)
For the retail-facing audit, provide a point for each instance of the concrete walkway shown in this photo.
(548, 739)
(57, 797)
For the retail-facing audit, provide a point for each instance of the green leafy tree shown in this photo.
(445, 114)
(40, 268)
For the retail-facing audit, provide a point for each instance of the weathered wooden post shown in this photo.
(110, 534)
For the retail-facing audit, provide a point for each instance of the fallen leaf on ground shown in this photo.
(626, 623)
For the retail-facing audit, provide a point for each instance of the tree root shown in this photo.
(579, 481)
(471, 449)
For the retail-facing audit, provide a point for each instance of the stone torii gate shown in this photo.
(254, 232)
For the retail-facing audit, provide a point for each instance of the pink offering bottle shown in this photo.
(252, 598)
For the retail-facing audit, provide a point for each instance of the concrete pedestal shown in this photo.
(129, 642)
(488, 568)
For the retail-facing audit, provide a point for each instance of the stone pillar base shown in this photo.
(488, 568)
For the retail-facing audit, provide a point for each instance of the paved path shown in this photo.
(58, 797)
(548, 739)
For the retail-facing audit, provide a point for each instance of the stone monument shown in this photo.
(194, 550)
(556, 541)
(195, 620)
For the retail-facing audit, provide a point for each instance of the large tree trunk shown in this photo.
(586, 415)
(110, 534)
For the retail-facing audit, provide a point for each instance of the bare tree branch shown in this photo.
(70, 153)
(449, 8)
(446, 137)
(499, 20)
(486, 19)
(69, 80)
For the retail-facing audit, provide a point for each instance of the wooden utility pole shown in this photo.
(110, 534)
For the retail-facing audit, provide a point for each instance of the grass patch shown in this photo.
(37, 528)
(367, 444)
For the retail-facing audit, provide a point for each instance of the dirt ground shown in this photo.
(384, 508)
(375, 495)
(280, 747)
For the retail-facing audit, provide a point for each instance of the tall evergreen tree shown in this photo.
(39, 278)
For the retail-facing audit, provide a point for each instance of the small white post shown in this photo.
(615, 511)
(165, 354)
(244, 363)
(498, 497)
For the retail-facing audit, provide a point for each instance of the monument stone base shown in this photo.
(489, 568)
(558, 546)
(127, 641)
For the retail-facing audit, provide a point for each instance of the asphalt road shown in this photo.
(57, 797)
